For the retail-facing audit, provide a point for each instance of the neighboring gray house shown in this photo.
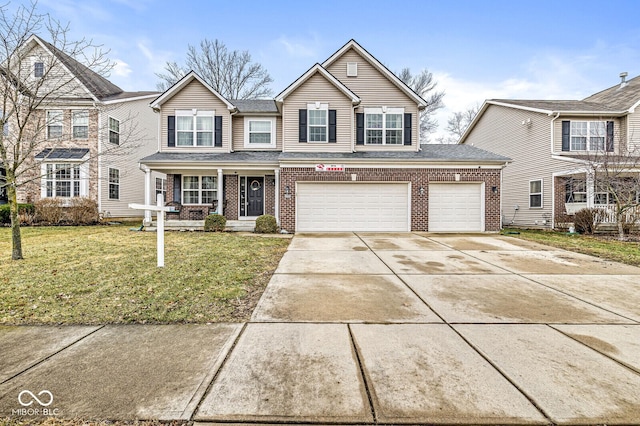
(93, 134)
(552, 144)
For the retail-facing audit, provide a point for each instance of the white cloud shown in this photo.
(299, 48)
(121, 69)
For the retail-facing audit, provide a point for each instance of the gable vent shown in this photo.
(352, 69)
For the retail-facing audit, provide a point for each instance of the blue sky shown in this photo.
(475, 49)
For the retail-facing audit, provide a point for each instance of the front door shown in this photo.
(254, 196)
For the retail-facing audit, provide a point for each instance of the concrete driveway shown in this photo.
(366, 328)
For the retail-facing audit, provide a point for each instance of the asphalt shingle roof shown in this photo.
(560, 105)
(621, 98)
(255, 105)
(429, 152)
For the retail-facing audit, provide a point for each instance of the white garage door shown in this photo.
(456, 207)
(348, 206)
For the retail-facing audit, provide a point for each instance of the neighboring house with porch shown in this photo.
(554, 145)
(93, 134)
(337, 150)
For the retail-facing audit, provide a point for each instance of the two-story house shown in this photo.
(88, 133)
(557, 147)
(337, 150)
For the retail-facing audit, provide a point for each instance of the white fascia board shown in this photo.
(380, 67)
(136, 98)
(327, 75)
(192, 75)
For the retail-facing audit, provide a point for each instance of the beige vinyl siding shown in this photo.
(634, 132)
(317, 89)
(57, 83)
(375, 90)
(557, 130)
(195, 95)
(500, 130)
(125, 157)
(238, 134)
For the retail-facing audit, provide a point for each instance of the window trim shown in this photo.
(200, 190)
(36, 65)
(57, 123)
(113, 183)
(163, 188)
(116, 132)
(317, 106)
(384, 111)
(247, 132)
(83, 178)
(74, 114)
(588, 135)
(541, 194)
(195, 113)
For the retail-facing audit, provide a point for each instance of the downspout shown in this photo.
(353, 137)
(553, 179)
(99, 162)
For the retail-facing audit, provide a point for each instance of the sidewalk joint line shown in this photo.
(362, 374)
(52, 355)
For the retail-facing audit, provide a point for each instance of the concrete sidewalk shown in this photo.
(365, 328)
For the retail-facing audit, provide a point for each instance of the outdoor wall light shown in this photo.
(494, 189)
(287, 190)
(421, 190)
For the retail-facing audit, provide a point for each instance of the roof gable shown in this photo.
(95, 84)
(318, 69)
(621, 96)
(181, 84)
(352, 44)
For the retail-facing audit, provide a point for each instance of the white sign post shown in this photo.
(160, 208)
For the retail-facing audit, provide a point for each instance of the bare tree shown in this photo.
(230, 73)
(425, 86)
(30, 82)
(457, 124)
(616, 177)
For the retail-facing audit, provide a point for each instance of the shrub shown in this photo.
(215, 223)
(563, 221)
(49, 210)
(24, 210)
(82, 211)
(266, 224)
(73, 211)
(587, 220)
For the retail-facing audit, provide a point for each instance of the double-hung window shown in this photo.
(383, 126)
(54, 124)
(199, 189)
(114, 131)
(161, 188)
(80, 124)
(38, 69)
(114, 184)
(318, 122)
(194, 128)
(535, 193)
(588, 135)
(62, 180)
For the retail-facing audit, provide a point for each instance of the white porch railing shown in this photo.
(608, 211)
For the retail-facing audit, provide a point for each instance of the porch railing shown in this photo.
(608, 212)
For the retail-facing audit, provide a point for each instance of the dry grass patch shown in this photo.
(108, 274)
(618, 251)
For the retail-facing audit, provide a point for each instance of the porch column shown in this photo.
(276, 208)
(147, 193)
(591, 190)
(220, 189)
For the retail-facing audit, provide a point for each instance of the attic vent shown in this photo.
(623, 79)
(352, 69)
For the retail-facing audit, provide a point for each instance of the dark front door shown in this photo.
(255, 196)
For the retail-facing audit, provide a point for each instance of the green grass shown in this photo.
(108, 274)
(610, 249)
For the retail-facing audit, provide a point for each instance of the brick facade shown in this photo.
(270, 195)
(419, 178)
(231, 196)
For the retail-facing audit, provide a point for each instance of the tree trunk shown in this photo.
(16, 237)
(619, 220)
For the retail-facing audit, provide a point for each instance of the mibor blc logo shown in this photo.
(31, 401)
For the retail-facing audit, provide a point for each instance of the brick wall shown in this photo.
(231, 193)
(270, 195)
(419, 178)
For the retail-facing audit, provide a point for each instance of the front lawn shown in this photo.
(108, 274)
(607, 248)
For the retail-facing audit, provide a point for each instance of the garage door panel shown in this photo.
(455, 207)
(347, 206)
